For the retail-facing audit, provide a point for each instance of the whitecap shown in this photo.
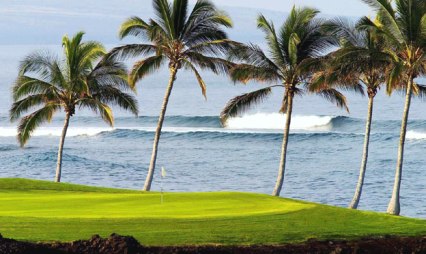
(56, 131)
(415, 135)
(276, 121)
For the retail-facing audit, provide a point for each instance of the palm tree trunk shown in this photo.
(61, 148)
(281, 170)
(358, 191)
(149, 177)
(394, 205)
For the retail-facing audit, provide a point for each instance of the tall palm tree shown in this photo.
(183, 39)
(49, 85)
(295, 53)
(361, 61)
(404, 27)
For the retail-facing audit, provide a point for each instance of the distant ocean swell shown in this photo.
(260, 124)
(257, 123)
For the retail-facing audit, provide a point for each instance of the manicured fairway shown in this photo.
(45, 211)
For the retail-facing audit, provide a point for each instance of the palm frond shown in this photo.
(80, 57)
(43, 64)
(296, 23)
(131, 50)
(88, 53)
(313, 41)
(335, 97)
(108, 66)
(99, 108)
(144, 68)
(199, 78)
(409, 16)
(244, 73)
(294, 41)
(381, 5)
(57, 76)
(335, 79)
(111, 95)
(205, 36)
(253, 55)
(420, 91)
(242, 103)
(278, 54)
(423, 26)
(70, 47)
(345, 32)
(203, 14)
(215, 64)
(387, 17)
(29, 123)
(22, 106)
(26, 85)
(214, 47)
(163, 11)
(158, 34)
(179, 14)
(204, 24)
(109, 72)
(394, 78)
(134, 26)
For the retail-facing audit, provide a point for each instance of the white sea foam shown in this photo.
(276, 121)
(56, 131)
(415, 135)
(257, 123)
(93, 131)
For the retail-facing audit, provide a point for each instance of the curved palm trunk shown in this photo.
(394, 205)
(149, 177)
(281, 170)
(61, 148)
(358, 191)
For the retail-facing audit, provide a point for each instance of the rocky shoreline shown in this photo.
(116, 244)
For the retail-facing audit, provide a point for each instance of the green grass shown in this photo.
(45, 211)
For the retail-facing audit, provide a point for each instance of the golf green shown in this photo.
(45, 211)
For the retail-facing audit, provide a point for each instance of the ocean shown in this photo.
(200, 155)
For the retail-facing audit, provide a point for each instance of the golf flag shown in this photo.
(163, 172)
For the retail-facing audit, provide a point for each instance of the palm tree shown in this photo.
(404, 27)
(181, 38)
(361, 61)
(295, 53)
(50, 85)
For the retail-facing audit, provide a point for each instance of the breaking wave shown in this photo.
(276, 121)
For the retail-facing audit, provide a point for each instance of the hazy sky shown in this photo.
(45, 21)
(334, 7)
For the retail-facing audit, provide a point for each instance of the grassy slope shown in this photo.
(45, 211)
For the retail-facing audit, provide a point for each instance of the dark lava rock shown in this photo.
(8, 246)
(414, 245)
(116, 244)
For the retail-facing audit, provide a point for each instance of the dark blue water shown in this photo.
(200, 155)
